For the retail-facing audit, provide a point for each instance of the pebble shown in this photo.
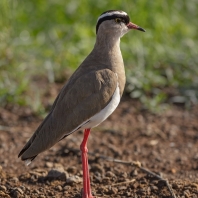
(59, 188)
(16, 192)
(67, 188)
(36, 191)
(134, 172)
(154, 188)
(97, 167)
(110, 174)
(49, 164)
(38, 172)
(50, 193)
(124, 175)
(113, 190)
(71, 169)
(57, 165)
(122, 188)
(19, 190)
(14, 179)
(141, 191)
(57, 173)
(3, 188)
(187, 193)
(105, 180)
(74, 179)
(41, 189)
(23, 188)
(4, 195)
(135, 185)
(160, 184)
(194, 185)
(41, 196)
(98, 179)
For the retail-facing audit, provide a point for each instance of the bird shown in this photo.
(90, 95)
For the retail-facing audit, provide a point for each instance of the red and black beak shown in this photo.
(131, 25)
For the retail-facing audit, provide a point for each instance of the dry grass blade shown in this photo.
(138, 165)
(123, 183)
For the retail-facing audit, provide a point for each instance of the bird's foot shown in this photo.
(86, 195)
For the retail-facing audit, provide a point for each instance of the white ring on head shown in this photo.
(111, 13)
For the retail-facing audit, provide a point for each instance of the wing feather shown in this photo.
(78, 101)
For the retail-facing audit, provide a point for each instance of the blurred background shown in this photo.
(47, 40)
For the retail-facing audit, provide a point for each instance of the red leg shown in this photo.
(85, 166)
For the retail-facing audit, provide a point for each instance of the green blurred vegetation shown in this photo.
(51, 38)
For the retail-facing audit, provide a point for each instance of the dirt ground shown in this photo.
(166, 144)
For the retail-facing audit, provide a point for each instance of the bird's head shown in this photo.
(115, 22)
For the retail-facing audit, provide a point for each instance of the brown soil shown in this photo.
(166, 144)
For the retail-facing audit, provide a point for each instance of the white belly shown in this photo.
(100, 116)
(104, 113)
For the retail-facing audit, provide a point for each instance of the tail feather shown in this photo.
(28, 161)
(25, 148)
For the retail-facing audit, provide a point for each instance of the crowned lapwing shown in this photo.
(91, 94)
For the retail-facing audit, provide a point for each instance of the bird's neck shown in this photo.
(107, 48)
(108, 55)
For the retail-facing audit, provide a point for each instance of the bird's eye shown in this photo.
(118, 20)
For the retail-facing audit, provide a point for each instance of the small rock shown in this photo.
(113, 190)
(41, 196)
(28, 188)
(98, 179)
(103, 189)
(16, 192)
(67, 188)
(57, 165)
(19, 190)
(124, 175)
(3, 188)
(176, 186)
(59, 188)
(97, 167)
(187, 193)
(173, 170)
(148, 190)
(23, 188)
(194, 185)
(122, 188)
(57, 173)
(136, 185)
(106, 180)
(153, 142)
(154, 188)
(14, 179)
(161, 184)
(41, 189)
(110, 174)
(74, 179)
(38, 172)
(71, 169)
(36, 191)
(141, 191)
(49, 164)
(50, 193)
(128, 194)
(134, 172)
(4, 195)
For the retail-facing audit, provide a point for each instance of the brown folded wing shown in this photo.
(76, 103)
